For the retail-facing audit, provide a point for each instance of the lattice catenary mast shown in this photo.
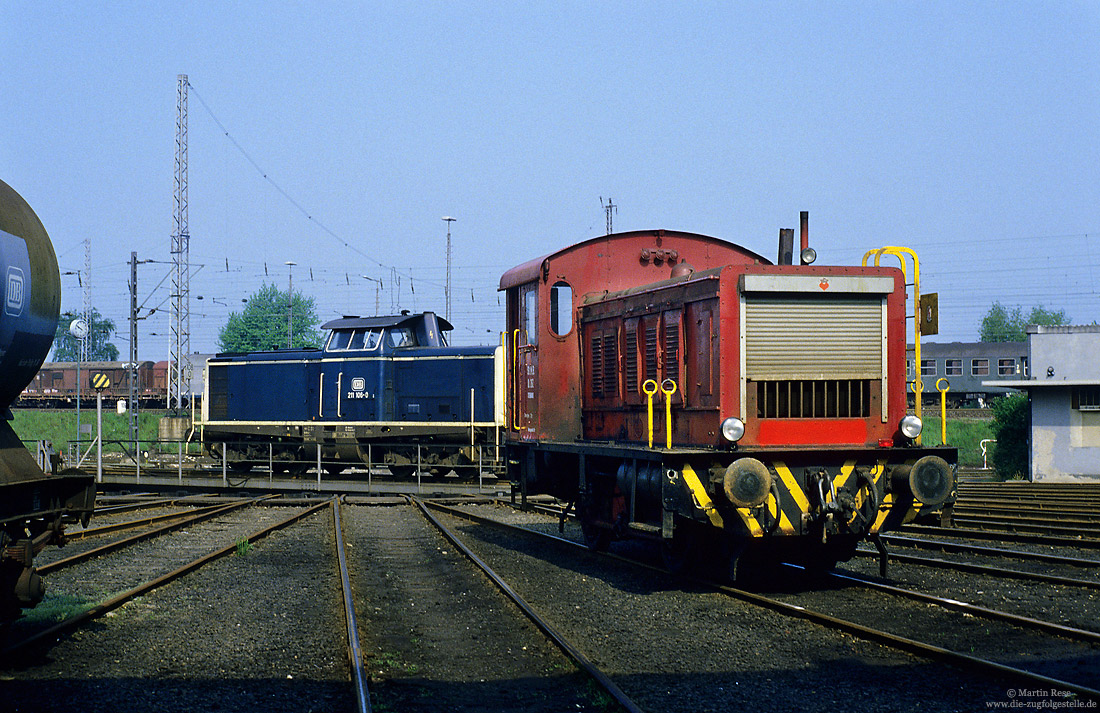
(447, 311)
(179, 365)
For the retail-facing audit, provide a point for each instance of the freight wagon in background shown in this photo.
(55, 385)
(966, 365)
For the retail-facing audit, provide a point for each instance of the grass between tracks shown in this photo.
(58, 426)
(966, 434)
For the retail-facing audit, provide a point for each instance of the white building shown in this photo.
(1064, 396)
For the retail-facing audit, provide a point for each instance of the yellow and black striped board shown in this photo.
(100, 381)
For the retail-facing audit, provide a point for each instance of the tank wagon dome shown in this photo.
(30, 294)
(616, 244)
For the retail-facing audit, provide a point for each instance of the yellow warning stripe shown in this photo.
(845, 472)
(792, 486)
(702, 500)
(751, 522)
(754, 526)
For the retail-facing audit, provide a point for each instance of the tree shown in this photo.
(1011, 425)
(1001, 325)
(66, 347)
(262, 324)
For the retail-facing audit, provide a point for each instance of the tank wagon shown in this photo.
(682, 388)
(379, 388)
(34, 506)
(966, 365)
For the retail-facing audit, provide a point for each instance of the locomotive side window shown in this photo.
(1006, 367)
(355, 339)
(401, 337)
(953, 367)
(339, 340)
(927, 367)
(529, 299)
(365, 339)
(561, 309)
(979, 367)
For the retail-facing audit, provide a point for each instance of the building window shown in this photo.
(953, 367)
(1086, 398)
(1006, 367)
(979, 367)
(927, 367)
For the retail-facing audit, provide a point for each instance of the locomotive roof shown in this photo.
(350, 322)
(529, 271)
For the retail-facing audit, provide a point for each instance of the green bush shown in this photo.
(1011, 425)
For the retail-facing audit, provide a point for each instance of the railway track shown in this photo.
(954, 630)
(224, 634)
(438, 635)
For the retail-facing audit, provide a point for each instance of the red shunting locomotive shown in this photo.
(678, 387)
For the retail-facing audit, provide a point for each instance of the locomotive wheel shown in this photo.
(596, 538)
(681, 552)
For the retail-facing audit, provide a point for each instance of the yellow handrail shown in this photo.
(649, 397)
(943, 408)
(668, 392)
(515, 379)
(900, 253)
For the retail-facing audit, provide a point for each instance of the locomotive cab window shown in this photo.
(339, 340)
(529, 300)
(401, 337)
(354, 340)
(561, 309)
(365, 339)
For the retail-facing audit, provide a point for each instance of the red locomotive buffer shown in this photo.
(777, 394)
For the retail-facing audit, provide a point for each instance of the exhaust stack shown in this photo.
(786, 247)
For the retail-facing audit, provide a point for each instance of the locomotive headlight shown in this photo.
(733, 429)
(910, 426)
(807, 256)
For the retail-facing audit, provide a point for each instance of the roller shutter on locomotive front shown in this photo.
(785, 385)
(390, 381)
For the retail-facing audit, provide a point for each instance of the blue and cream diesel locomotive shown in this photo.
(381, 391)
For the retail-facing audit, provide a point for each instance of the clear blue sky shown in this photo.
(967, 131)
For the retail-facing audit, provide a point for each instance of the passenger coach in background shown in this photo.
(966, 365)
(777, 394)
